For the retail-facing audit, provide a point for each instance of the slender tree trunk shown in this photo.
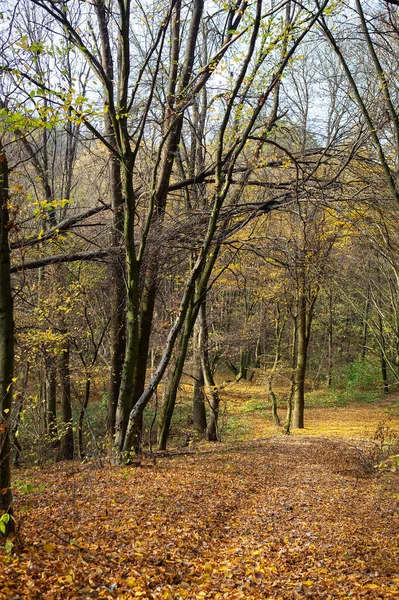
(330, 339)
(366, 324)
(258, 351)
(288, 419)
(273, 400)
(300, 368)
(66, 450)
(383, 360)
(175, 374)
(199, 413)
(212, 430)
(82, 413)
(279, 329)
(145, 327)
(244, 364)
(51, 397)
(6, 349)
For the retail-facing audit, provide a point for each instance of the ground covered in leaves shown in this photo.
(280, 517)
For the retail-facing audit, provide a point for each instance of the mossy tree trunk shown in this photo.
(175, 373)
(199, 413)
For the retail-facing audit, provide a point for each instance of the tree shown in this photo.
(6, 350)
(378, 41)
(138, 115)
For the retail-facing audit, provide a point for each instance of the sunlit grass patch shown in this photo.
(328, 413)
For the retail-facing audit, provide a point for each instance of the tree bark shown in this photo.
(51, 397)
(66, 450)
(279, 329)
(199, 413)
(212, 430)
(175, 374)
(172, 131)
(366, 323)
(125, 398)
(288, 419)
(305, 311)
(383, 359)
(300, 368)
(118, 289)
(82, 413)
(6, 349)
(330, 338)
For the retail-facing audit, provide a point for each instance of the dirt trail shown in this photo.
(282, 518)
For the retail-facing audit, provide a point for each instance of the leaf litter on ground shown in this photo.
(282, 517)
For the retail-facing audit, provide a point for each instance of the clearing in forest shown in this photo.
(279, 517)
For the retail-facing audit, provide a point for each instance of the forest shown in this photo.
(199, 299)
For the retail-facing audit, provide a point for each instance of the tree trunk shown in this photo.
(273, 400)
(366, 324)
(199, 413)
(51, 397)
(383, 359)
(175, 374)
(212, 430)
(66, 450)
(279, 329)
(125, 398)
(145, 327)
(330, 339)
(82, 413)
(244, 364)
(300, 367)
(118, 289)
(118, 294)
(6, 351)
(288, 419)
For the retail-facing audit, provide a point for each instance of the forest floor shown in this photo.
(290, 517)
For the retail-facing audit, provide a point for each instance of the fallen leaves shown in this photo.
(276, 518)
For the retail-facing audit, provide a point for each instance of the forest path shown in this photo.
(283, 517)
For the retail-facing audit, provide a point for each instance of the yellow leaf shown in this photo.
(273, 569)
(308, 583)
(49, 547)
